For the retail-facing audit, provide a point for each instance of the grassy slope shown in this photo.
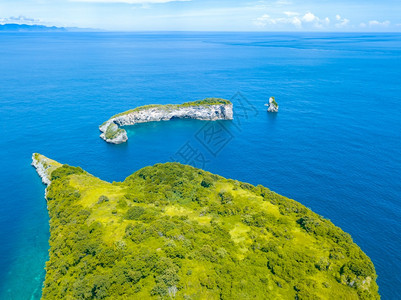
(173, 229)
(207, 101)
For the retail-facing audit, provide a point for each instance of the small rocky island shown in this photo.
(172, 231)
(272, 106)
(209, 109)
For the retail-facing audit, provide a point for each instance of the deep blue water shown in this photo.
(335, 145)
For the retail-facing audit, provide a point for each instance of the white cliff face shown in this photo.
(273, 107)
(163, 113)
(112, 134)
(42, 168)
(120, 138)
(199, 112)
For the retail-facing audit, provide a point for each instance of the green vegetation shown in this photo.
(176, 232)
(113, 131)
(102, 199)
(168, 107)
(274, 102)
(48, 164)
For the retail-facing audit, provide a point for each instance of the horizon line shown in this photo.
(88, 29)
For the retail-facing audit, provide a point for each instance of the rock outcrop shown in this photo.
(44, 166)
(111, 133)
(209, 110)
(272, 106)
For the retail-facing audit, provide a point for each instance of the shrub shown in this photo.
(225, 197)
(102, 199)
(65, 170)
(134, 213)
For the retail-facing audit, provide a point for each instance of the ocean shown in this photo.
(334, 146)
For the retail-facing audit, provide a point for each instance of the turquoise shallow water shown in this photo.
(334, 146)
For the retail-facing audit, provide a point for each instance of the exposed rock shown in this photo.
(273, 106)
(44, 167)
(111, 132)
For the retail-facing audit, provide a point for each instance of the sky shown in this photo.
(208, 15)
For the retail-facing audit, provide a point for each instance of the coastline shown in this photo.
(124, 226)
(209, 109)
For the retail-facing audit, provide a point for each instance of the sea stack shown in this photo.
(272, 106)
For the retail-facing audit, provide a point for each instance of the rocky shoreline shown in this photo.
(201, 110)
(44, 167)
(41, 167)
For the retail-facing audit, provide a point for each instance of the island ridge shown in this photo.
(172, 231)
(209, 109)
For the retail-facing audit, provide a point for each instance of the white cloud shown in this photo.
(283, 2)
(129, 1)
(265, 20)
(315, 21)
(296, 22)
(375, 23)
(19, 20)
(291, 13)
(341, 22)
(294, 19)
(262, 21)
(309, 17)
